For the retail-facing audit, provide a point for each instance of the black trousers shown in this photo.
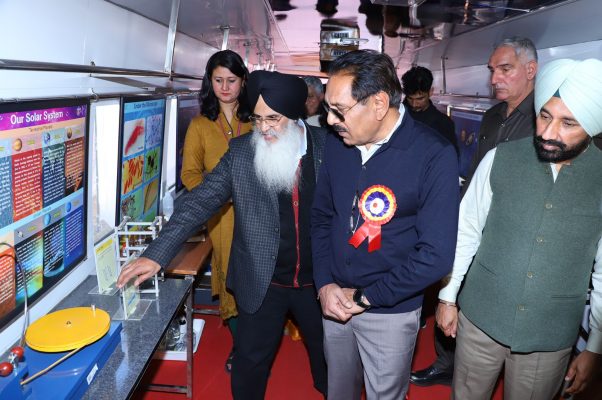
(444, 346)
(446, 350)
(258, 338)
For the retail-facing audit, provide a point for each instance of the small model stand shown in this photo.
(133, 237)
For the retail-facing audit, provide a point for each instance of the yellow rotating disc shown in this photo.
(67, 329)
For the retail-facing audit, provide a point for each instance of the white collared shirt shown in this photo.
(367, 153)
(314, 120)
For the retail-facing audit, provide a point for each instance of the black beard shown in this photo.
(563, 153)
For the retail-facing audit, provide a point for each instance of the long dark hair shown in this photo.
(210, 103)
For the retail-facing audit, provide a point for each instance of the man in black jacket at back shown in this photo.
(418, 89)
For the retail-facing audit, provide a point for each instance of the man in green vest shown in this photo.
(529, 232)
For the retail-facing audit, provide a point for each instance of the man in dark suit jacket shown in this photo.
(270, 176)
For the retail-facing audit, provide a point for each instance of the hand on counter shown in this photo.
(142, 268)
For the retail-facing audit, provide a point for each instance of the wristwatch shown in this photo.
(360, 299)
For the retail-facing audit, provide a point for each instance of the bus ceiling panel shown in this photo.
(547, 23)
(249, 23)
(401, 28)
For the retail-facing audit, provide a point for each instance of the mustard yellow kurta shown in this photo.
(205, 144)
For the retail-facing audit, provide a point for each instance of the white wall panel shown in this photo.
(579, 51)
(190, 55)
(39, 30)
(80, 32)
(469, 81)
(77, 32)
(475, 79)
(118, 38)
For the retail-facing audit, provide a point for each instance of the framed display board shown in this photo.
(43, 169)
(142, 123)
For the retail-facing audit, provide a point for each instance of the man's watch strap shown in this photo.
(358, 297)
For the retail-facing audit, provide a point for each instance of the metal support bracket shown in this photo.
(171, 36)
(226, 32)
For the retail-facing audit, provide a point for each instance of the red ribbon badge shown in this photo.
(377, 206)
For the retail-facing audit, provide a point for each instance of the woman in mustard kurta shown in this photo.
(224, 115)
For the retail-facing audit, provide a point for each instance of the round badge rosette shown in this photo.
(377, 206)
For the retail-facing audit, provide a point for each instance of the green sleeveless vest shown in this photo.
(527, 285)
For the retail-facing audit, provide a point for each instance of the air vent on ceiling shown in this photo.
(337, 37)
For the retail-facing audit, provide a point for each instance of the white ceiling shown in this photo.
(287, 32)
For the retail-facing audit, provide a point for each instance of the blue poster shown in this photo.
(140, 162)
(467, 133)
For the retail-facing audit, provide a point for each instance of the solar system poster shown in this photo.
(42, 197)
(141, 151)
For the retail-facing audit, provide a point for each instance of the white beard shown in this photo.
(276, 163)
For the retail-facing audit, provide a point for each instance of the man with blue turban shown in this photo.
(529, 232)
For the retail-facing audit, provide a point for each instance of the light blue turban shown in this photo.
(579, 84)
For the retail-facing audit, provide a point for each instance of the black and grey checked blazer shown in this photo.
(256, 221)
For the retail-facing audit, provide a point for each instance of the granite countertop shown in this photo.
(125, 367)
(139, 339)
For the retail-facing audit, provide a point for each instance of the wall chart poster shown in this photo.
(43, 152)
(467, 123)
(141, 152)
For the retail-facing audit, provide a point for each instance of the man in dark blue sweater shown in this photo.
(384, 223)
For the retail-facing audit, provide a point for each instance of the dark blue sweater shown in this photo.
(418, 244)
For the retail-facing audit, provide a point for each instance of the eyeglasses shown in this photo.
(339, 114)
(271, 120)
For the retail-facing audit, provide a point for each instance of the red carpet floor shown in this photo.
(212, 382)
(290, 378)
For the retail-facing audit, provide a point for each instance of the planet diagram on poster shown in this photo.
(17, 145)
